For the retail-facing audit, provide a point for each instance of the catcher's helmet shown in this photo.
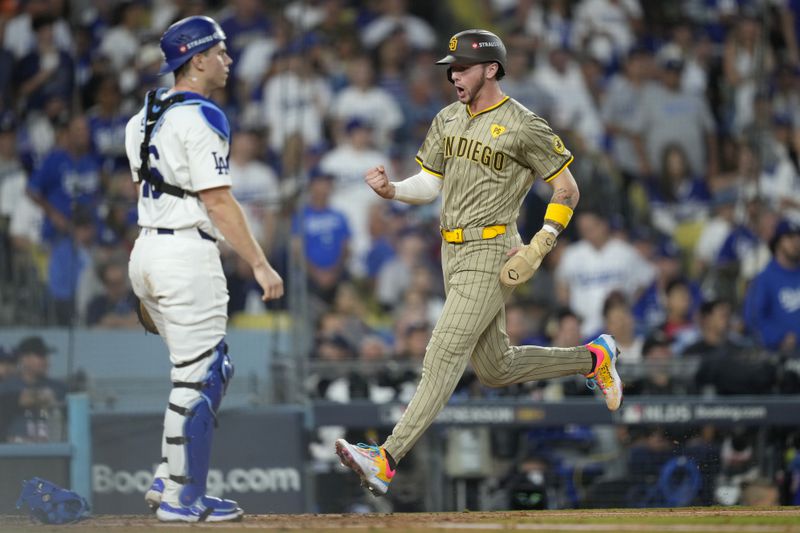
(186, 38)
(475, 46)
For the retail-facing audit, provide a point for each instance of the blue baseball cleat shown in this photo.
(204, 509)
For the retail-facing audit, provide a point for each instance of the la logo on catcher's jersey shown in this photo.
(220, 163)
(497, 130)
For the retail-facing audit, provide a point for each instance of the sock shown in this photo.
(390, 459)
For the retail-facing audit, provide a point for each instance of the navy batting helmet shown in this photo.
(475, 46)
(186, 38)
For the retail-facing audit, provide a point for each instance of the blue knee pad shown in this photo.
(201, 419)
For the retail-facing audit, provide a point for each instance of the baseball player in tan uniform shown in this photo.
(482, 153)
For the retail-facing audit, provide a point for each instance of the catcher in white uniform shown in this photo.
(178, 150)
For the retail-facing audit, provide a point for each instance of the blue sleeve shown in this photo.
(757, 316)
(39, 182)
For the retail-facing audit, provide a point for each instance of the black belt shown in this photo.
(203, 234)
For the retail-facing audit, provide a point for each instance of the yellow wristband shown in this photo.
(558, 213)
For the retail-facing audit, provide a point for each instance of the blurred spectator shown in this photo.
(44, 72)
(519, 328)
(575, 110)
(71, 261)
(650, 308)
(649, 450)
(743, 254)
(321, 236)
(620, 113)
(424, 103)
(548, 24)
(382, 234)
(619, 322)
(716, 331)
(679, 200)
(20, 35)
(116, 306)
(772, 306)
(678, 326)
(392, 68)
(657, 356)
(606, 29)
(596, 265)
(746, 56)
(296, 99)
(716, 230)
(121, 43)
(739, 466)
(351, 309)
(32, 400)
(68, 177)
(256, 186)
(394, 15)
(396, 275)
(786, 99)
(779, 182)
(565, 329)
(347, 164)
(520, 85)
(119, 228)
(24, 217)
(671, 116)
(107, 121)
(699, 54)
(243, 22)
(363, 99)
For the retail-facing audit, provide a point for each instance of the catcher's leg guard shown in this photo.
(192, 412)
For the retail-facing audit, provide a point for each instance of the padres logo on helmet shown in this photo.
(475, 46)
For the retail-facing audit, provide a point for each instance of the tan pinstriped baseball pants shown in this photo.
(472, 327)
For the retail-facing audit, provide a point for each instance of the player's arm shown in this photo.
(562, 203)
(227, 216)
(421, 188)
(526, 260)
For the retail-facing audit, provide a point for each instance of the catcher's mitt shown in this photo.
(50, 504)
(523, 265)
(145, 319)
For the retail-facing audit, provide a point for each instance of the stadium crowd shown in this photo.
(684, 118)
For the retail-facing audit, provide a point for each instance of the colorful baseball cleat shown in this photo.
(369, 462)
(604, 374)
(153, 495)
(205, 509)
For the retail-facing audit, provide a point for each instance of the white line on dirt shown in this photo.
(677, 528)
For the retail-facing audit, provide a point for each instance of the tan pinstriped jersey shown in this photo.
(489, 160)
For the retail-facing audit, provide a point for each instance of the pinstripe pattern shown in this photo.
(482, 188)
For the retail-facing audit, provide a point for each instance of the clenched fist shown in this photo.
(525, 262)
(377, 179)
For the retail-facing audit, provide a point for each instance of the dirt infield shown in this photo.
(684, 520)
